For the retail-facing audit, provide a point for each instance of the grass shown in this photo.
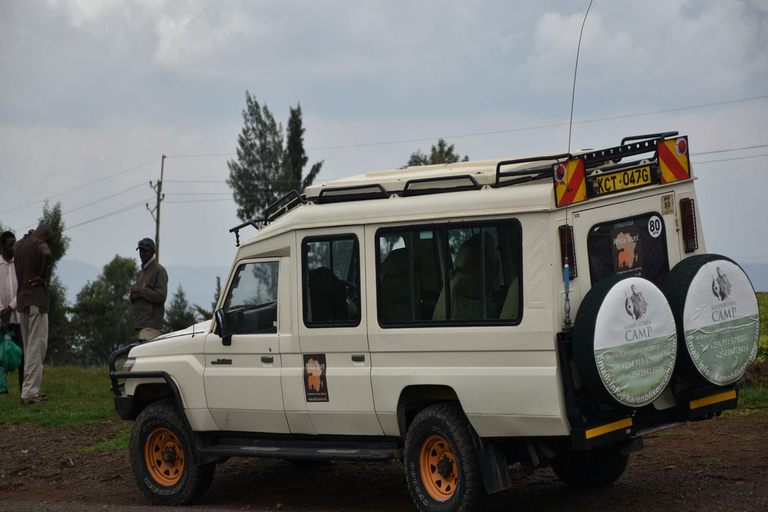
(78, 397)
(762, 302)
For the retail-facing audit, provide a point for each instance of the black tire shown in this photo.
(172, 477)
(590, 469)
(624, 342)
(717, 316)
(442, 431)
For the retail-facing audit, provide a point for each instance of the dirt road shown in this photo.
(718, 465)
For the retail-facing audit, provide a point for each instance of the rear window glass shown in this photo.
(636, 246)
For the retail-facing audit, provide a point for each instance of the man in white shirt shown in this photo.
(8, 288)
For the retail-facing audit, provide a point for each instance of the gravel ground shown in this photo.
(717, 465)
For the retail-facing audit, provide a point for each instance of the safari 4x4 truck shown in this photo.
(477, 320)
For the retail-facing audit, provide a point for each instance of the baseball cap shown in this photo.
(147, 244)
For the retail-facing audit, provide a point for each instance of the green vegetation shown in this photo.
(762, 302)
(78, 397)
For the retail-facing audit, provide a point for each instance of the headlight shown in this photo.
(128, 364)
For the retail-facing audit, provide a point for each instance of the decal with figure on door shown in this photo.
(315, 382)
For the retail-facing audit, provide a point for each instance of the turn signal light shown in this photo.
(688, 220)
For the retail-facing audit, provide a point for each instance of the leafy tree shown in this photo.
(60, 346)
(205, 313)
(440, 154)
(180, 314)
(59, 243)
(295, 157)
(264, 170)
(60, 335)
(102, 317)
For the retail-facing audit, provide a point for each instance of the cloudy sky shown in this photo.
(93, 92)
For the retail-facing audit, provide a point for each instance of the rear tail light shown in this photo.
(567, 249)
(688, 218)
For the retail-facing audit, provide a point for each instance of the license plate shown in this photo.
(622, 180)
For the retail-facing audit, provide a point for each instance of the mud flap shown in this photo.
(493, 464)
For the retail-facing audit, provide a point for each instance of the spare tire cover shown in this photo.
(718, 317)
(625, 341)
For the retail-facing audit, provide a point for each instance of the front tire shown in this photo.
(441, 465)
(590, 469)
(162, 460)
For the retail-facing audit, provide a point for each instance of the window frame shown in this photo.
(304, 275)
(447, 263)
(226, 305)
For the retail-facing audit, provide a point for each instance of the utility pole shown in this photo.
(155, 212)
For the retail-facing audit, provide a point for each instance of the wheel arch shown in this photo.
(416, 397)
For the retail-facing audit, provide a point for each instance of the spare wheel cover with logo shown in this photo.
(625, 341)
(717, 315)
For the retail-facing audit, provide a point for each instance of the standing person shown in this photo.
(149, 293)
(8, 286)
(32, 257)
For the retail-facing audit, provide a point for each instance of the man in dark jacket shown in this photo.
(31, 259)
(149, 293)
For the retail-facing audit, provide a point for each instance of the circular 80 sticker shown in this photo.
(654, 226)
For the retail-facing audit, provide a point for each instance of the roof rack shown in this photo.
(532, 173)
(352, 193)
(646, 145)
(283, 205)
(542, 167)
(412, 187)
(256, 223)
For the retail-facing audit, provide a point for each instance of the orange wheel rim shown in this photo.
(438, 468)
(164, 457)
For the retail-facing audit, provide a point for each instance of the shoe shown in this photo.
(35, 399)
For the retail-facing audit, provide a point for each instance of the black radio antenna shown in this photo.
(575, 70)
(566, 268)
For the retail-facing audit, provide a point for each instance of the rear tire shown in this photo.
(162, 457)
(590, 469)
(441, 465)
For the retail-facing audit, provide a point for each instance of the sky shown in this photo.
(93, 93)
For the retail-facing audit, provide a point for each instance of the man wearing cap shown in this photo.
(149, 293)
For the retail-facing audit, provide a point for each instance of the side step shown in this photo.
(304, 449)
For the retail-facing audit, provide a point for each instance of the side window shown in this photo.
(331, 281)
(251, 303)
(410, 276)
(479, 262)
(635, 246)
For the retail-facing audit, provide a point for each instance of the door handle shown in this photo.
(267, 359)
(358, 358)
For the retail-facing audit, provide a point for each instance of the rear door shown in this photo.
(333, 334)
(637, 238)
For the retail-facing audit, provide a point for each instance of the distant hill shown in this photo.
(199, 283)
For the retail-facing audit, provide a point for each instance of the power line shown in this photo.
(507, 130)
(743, 148)
(121, 210)
(104, 198)
(540, 127)
(80, 186)
(730, 159)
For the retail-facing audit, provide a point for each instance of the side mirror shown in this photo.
(221, 329)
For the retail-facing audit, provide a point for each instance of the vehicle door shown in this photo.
(242, 369)
(332, 332)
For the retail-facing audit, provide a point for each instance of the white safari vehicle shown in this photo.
(477, 320)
